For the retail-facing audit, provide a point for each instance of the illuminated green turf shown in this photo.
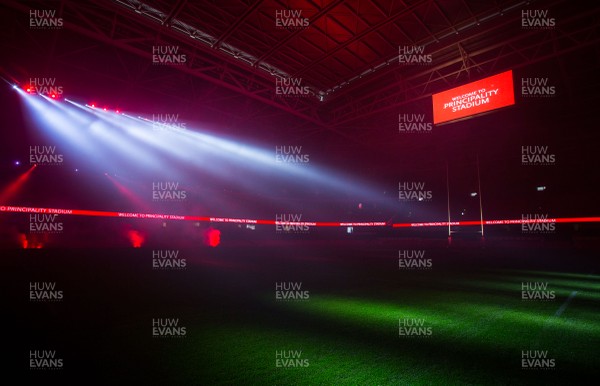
(479, 328)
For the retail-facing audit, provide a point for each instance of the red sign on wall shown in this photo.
(474, 98)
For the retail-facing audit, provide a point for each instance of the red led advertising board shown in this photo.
(473, 98)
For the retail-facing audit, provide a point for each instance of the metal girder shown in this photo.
(421, 84)
(175, 11)
(138, 35)
(233, 27)
(292, 35)
(447, 36)
(134, 27)
(357, 37)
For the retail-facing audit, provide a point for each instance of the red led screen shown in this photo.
(474, 98)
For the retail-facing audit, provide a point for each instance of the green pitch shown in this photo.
(474, 330)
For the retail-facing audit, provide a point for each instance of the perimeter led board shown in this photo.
(474, 98)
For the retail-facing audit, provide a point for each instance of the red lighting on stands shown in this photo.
(213, 237)
(23, 240)
(34, 243)
(136, 238)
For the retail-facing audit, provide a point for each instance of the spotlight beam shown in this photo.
(14, 187)
(132, 138)
(131, 196)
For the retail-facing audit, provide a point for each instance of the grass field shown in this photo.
(475, 325)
